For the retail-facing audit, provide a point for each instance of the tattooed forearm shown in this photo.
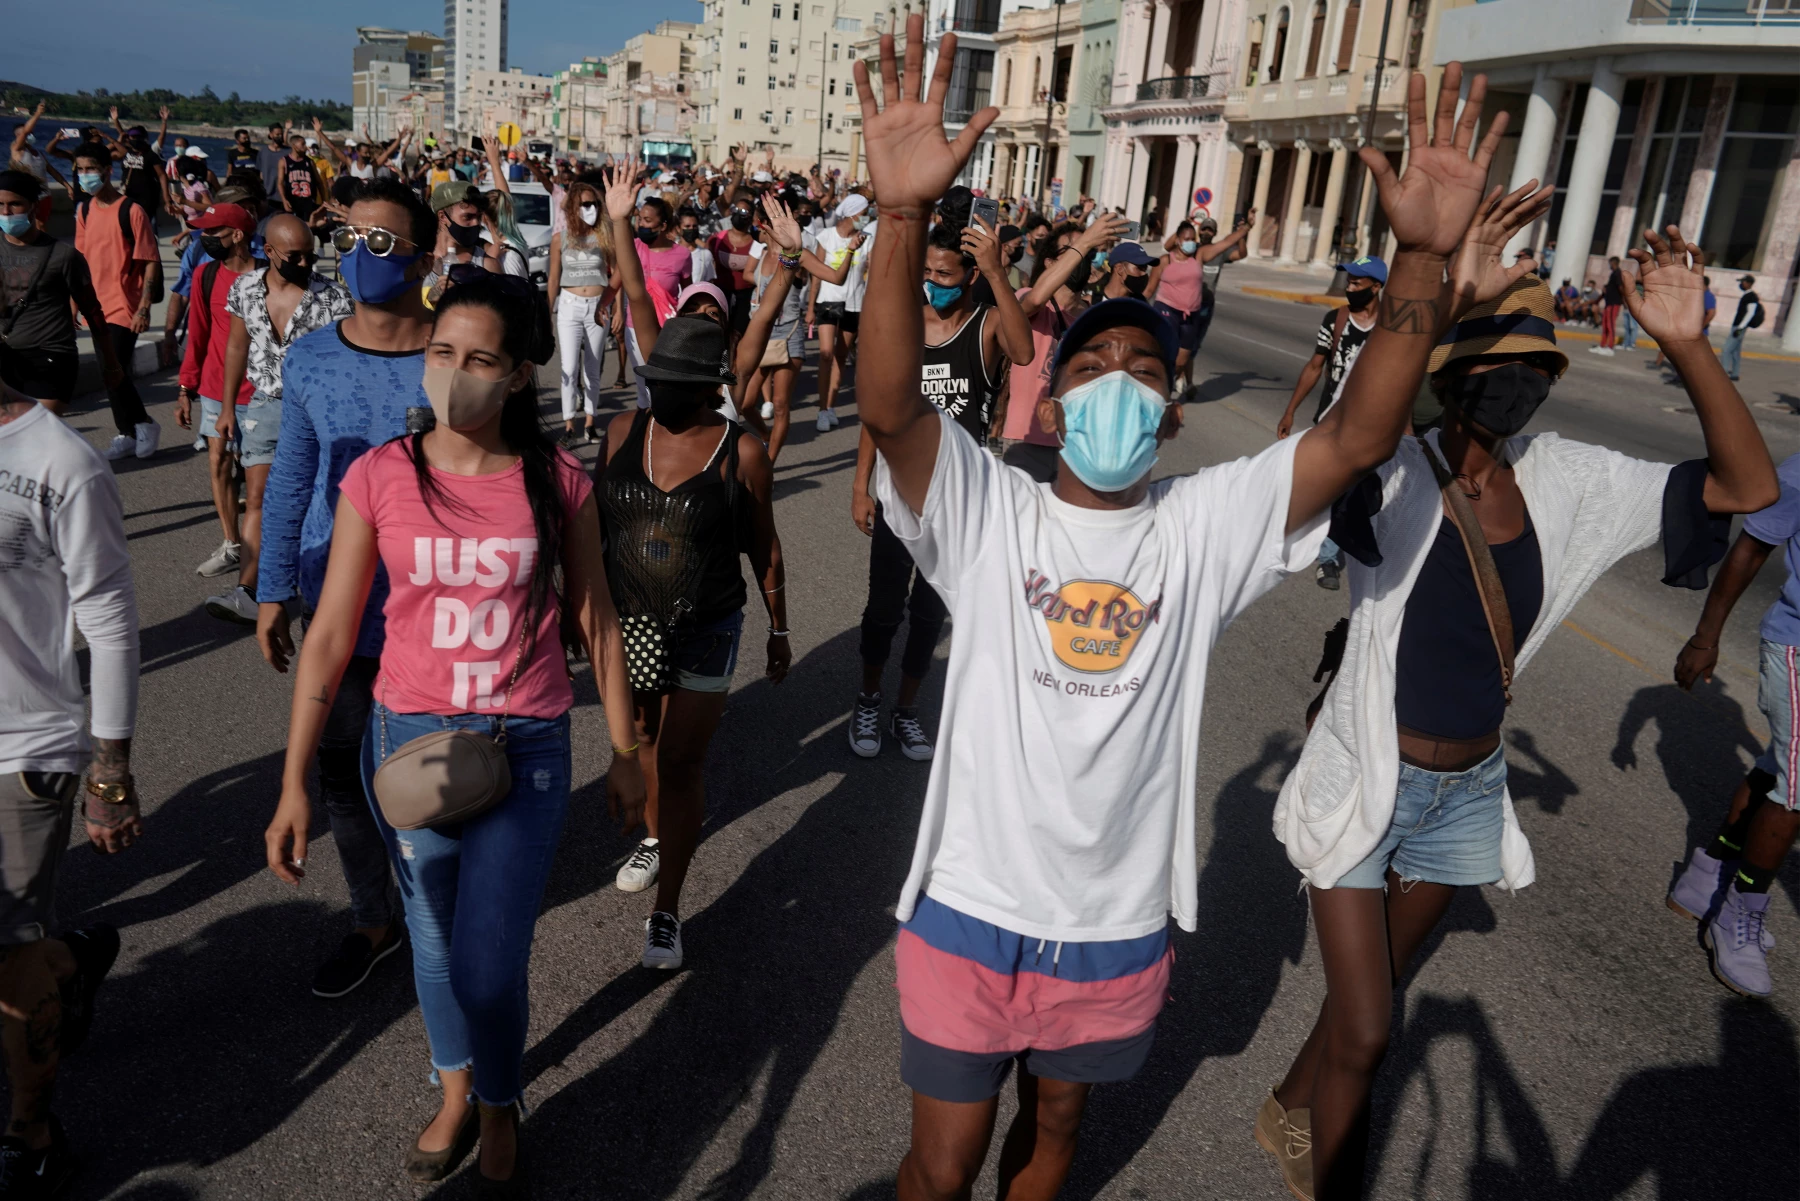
(324, 697)
(112, 760)
(1403, 315)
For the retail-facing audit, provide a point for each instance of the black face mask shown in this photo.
(1135, 284)
(647, 235)
(1016, 253)
(690, 235)
(298, 274)
(740, 221)
(1500, 401)
(1079, 277)
(466, 236)
(214, 246)
(1356, 302)
(674, 405)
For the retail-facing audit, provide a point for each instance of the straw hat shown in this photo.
(1521, 320)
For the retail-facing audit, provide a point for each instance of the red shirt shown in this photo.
(209, 332)
(741, 277)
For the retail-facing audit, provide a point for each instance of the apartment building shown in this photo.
(386, 67)
(578, 107)
(1089, 96)
(1039, 55)
(1652, 113)
(474, 40)
(648, 93)
(491, 98)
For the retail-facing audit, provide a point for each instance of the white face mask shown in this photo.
(589, 214)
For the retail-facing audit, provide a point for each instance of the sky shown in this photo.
(268, 49)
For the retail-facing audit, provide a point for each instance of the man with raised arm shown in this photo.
(1058, 827)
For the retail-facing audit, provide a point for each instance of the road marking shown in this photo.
(1277, 349)
(1607, 646)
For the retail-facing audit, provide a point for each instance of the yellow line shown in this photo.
(1607, 646)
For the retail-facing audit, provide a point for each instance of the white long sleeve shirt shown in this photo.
(63, 565)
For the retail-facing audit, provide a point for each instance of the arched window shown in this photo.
(1255, 53)
(1277, 47)
(1346, 52)
(1315, 40)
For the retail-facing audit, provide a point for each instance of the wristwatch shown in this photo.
(112, 794)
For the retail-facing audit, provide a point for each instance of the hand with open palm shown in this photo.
(1673, 306)
(911, 163)
(621, 192)
(1478, 273)
(784, 231)
(1429, 208)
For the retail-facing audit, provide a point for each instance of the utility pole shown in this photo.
(819, 158)
(1362, 172)
(1050, 115)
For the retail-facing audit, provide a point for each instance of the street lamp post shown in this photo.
(1050, 114)
(819, 159)
(1387, 18)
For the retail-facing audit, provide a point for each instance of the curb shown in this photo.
(1562, 332)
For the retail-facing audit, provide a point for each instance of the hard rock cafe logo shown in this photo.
(1094, 624)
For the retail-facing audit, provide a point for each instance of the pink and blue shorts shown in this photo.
(975, 998)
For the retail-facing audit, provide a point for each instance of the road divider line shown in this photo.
(1292, 354)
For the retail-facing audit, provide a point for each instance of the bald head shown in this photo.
(288, 234)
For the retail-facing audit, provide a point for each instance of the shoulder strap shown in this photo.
(1340, 319)
(208, 275)
(24, 302)
(125, 230)
(1481, 561)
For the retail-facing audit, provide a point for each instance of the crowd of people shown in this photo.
(449, 557)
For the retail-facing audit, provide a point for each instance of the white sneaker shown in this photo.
(768, 410)
(662, 941)
(641, 868)
(237, 605)
(149, 434)
(865, 726)
(199, 442)
(823, 424)
(220, 561)
(119, 447)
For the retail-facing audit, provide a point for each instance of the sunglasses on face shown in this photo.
(381, 242)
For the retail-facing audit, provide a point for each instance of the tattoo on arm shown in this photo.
(112, 760)
(324, 697)
(1403, 315)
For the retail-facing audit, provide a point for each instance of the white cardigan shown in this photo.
(1591, 507)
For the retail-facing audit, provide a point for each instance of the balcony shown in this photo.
(1176, 87)
(1715, 12)
(978, 25)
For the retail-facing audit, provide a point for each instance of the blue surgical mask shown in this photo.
(1189, 247)
(90, 181)
(942, 296)
(373, 279)
(1110, 425)
(16, 224)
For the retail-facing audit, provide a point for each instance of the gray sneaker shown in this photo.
(237, 605)
(220, 561)
(906, 729)
(865, 726)
(1734, 936)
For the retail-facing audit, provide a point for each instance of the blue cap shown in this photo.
(1129, 252)
(1367, 267)
(1108, 314)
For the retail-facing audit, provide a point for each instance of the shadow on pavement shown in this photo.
(1227, 384)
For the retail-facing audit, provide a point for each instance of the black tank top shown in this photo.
(674, 555)
(956, 381)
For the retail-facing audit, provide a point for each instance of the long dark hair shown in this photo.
(522, 434)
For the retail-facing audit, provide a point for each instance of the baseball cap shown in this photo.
(1007, 233)
(195, 152)
(1367, 267)
(703, 288)
(1129, 252)
(1208, 223)
(230, 216)
(454, 192)
(1109, 314)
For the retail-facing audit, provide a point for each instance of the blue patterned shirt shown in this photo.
(338, 401)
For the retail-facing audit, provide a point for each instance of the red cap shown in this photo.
(233, 216)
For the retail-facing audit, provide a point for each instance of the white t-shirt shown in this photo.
(834, 248)
(1061, 800)
(63, 564)
(704, 270)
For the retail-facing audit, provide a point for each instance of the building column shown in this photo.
(1114, 170)
(1325, 244)
(1140, 178)
(1784, 236)
(1296, 201)
(1157, 65)
(1706, 160)
(1134, 40)
(1212, 168)
(1587, 174)
(1259, 197)
(1624, 226)
(1536, 139)
(1182, 189)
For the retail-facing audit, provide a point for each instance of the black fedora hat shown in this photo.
(690, 350)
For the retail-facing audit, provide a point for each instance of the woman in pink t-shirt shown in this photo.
(470, 522)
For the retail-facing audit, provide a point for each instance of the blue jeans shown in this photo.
(1628, 330)
(470, 972)
(1329, 552)
(1732, 356)
(1446, 828)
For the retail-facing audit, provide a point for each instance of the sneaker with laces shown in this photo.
(1696, 893)
(121, 446)
(662, 941)
(356, 957)
(237, 605)
(95, 949)
(910, 734)
(27, 1174)
(641, 868)
(149, 435)
(865, 726)
(220, 561)
(1734, 936)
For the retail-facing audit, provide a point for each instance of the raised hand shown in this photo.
(1106, 229)
(621, 192)
(1430, 207)
(1477, 273)
(783, 229)
(979, 243)
(1673, 306)
(911, 164)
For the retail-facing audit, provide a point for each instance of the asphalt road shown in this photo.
(1566, 1042)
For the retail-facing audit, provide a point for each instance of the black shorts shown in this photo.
(832, 312)
(740, 309)
(1190, 328)
(42, 374)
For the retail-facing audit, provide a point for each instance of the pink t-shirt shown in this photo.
(1179, 287)
(671, 269)
(460, 576)
(1031, 381)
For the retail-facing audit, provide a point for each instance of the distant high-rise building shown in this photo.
(389, 70)
(474, 40)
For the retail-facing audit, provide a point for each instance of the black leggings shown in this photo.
(39, 373)
(127, 406)
(892, 578)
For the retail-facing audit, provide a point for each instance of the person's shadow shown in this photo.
(1225, 385)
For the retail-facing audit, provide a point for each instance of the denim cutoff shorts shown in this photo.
(1446, 828)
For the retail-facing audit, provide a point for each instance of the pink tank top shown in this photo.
(1180, 285)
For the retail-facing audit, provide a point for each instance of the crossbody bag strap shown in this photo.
(1481, 560)
(24, 302)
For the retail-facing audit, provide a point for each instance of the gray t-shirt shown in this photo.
(47, 321)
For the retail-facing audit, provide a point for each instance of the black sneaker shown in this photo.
(906, 729)
(1327, 576)
(31, 1175)
(94, 949)
(356, 957)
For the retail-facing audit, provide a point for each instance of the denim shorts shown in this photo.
(704, 657)
(209, 417)
(1446, 828)
(1778, 695)
(259, 424)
